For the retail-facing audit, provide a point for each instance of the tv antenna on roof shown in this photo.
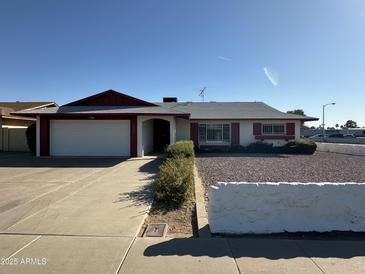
(202, 93)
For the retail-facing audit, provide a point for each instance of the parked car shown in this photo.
(351, 135)
(317, 136)
(336, 135)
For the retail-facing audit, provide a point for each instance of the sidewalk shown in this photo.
(234, 255)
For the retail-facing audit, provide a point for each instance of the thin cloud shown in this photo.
(272, 76)
(224, 58)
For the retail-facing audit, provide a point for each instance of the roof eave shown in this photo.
(18, 118)
(34, 114)
(306, 119)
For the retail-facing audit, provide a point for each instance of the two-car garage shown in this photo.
(89, 138)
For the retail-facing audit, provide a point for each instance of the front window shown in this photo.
(273, 129)
(214, 133)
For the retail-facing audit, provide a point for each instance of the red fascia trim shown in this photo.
(274, 137)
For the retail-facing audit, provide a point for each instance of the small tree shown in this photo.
(336, 125)
(351, 124)
(296, 111)
(31, 137)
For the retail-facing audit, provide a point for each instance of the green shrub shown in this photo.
(30, 133)
(303, 146)
(180, 149)
(176, 181)
(260, 147)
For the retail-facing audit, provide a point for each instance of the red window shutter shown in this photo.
(235, 133)
(290, 128)
(44, 136)
(194, 133)
(256, 129)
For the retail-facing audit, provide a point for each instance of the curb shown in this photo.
(201, 212)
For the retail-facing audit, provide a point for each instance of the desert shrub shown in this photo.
(175, 184)
(260, 147)
(303, 146)
(180, 149)
(31, 134)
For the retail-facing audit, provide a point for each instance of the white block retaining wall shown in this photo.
(238, 208)
(342, 148)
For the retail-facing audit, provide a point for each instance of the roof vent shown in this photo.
(170, 99)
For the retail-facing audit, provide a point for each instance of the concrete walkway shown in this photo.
(78, 224)
(234, 255)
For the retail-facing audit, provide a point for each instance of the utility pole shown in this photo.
(323, 124)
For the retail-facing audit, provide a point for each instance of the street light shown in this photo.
(323, 129)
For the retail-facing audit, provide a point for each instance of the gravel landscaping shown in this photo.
(320, 167)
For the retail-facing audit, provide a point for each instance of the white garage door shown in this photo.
(90, 138)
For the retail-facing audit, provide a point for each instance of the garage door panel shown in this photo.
(90, 138)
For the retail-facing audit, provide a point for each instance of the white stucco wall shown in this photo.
(182, 129)
(239, 208)
(147, 136)
(342, 148)
(142, 118)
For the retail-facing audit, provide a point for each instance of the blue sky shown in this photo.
(313, 51)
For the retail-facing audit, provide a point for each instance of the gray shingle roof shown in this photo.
(211, 110)
(232, 110)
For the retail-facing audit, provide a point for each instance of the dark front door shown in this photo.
(161, 134)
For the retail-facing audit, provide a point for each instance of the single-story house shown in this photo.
(13, 127)
(115, 124)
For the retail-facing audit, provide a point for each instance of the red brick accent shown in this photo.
(44, 136)
(290, 128)
(235, 133)
(133, 133)
(256, 129)
(194, 134)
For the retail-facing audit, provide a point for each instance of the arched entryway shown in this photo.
(155, 135)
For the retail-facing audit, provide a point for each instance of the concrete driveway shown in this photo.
(71, 215)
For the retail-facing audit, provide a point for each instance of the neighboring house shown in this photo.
(114, 124)
(13, 127)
